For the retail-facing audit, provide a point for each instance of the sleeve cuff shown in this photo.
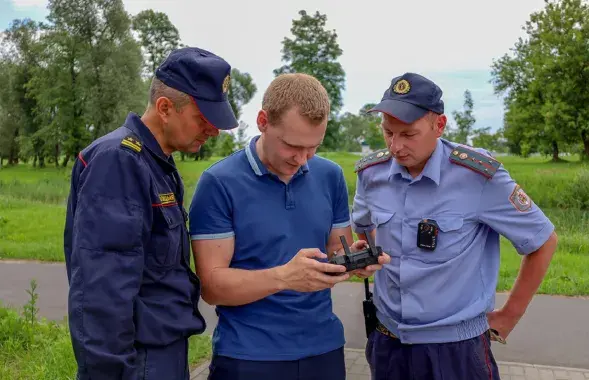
(223, 235)
(537, 241)
(361, 229)
(341, 225)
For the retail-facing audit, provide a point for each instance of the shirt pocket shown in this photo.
(166, 239)
(450, 239)
(388, 229)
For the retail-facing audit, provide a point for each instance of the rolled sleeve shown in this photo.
(361, 219)
(111, 223)
(507, 209)
(341, 215)
(210, 210)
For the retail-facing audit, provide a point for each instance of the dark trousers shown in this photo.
(470, 359)
(329, 366)
(168, 362)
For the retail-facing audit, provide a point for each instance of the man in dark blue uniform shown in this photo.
(133, 299)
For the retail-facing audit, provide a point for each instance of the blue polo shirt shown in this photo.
(271, 221)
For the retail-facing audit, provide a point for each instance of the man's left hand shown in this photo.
(369, 270)
(503, 322)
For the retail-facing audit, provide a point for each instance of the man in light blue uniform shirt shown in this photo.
(261, 222)
(438, 209)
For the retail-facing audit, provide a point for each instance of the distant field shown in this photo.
(32, 212)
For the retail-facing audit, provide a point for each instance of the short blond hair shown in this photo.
(298, 90)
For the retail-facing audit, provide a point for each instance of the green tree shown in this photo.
(314, 50)
(544, 80)
(90, 73)
(241, 138)
(20, 128)
(241, 90)
(158, 38)
(464, 120)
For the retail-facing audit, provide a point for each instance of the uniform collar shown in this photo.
(256, 164)
(136, 125)
(431, 170)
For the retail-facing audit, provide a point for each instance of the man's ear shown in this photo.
(163, 107)
(262, 120)
(441, 124)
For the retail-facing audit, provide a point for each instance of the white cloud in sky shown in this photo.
(453, 42)
(21, 4)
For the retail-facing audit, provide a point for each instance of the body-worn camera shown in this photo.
(427, 234)
(357, 260)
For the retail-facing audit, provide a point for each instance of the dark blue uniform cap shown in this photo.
(409, 97)
(206, 78)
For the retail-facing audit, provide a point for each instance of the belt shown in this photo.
(383, 330)
(494, 335)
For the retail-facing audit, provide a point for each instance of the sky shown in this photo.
(452, 42)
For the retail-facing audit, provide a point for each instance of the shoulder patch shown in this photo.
(373, 158)
(475, 161)
(519, 199)
(131, 142)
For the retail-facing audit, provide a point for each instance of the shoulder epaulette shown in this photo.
(373, 158)
(132, 142)
(475, 161)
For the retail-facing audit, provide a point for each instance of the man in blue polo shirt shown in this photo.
(261, 223)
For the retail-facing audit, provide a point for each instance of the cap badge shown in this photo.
(226, 83)
(402, 87)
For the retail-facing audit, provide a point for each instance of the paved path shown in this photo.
(357, 369)
(554, 332)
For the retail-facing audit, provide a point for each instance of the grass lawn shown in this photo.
(32, 212)
(32, 348)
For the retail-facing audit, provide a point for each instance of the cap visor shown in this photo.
(406, 112)
(219, 114)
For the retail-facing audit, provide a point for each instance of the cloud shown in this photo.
(21, 4)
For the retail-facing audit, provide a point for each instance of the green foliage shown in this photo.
(36, 349)
(74, 78)
(158, 38)
(241, 90)
(464, 121)
(315, 51)
(31, 227)
(544, 78)
(356, 130)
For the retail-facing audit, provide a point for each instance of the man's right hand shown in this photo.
(304, 273)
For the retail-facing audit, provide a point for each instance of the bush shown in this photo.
(33, 349)
(576, 194)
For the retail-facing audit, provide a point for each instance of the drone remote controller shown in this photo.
(357, 260)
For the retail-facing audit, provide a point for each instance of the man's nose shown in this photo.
(301, 158)
(396, 145)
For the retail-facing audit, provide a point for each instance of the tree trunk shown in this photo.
(56, 155)
(555, 157)
(66, 159)
(35, 161)
(585, 138)
(41, 161)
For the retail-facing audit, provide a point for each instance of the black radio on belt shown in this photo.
(427, 234)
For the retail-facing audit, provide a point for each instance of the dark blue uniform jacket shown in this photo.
(127, 253)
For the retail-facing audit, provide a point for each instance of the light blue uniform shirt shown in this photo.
(442, 295)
